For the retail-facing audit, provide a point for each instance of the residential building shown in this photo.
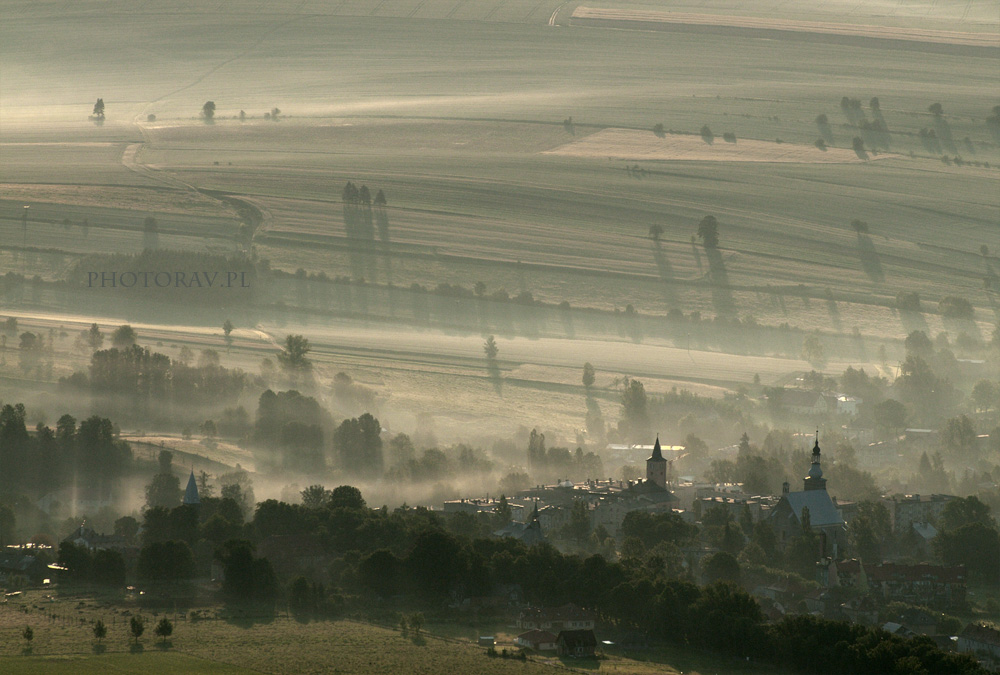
(539, 640)
(567, 617)
(906, 510)
(983, 642)
(932, 585)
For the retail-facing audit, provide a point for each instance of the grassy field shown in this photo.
(454, 109)
(63, 644)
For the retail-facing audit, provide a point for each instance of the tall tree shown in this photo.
(708, 232)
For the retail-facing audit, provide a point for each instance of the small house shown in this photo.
(538, 640)
(576, 643)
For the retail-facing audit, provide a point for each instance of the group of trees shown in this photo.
(51, 459)
(560, 463)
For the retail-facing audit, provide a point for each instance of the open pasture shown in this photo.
(281, 644)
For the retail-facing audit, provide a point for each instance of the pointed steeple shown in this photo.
(191, 492)
(657, 453)
(534, 513)
(656, 466)
(814, 479)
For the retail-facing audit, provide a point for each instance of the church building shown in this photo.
(812, 503)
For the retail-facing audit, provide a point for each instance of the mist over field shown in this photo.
(439, 251)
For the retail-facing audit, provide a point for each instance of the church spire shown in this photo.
(657, 453)
(814, 480)
(191, 493)
(656, 466)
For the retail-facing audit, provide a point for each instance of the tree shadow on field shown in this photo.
(496, 378)
(666, 272)
(136, 648)
(99, 648)
(566, 315)
(870, 262)
(913, 321)
(831, 307)
(164, 645)
(418, 640)
(943, 131)
(242, 619)
(584, 663)
(722, 295)
(697, 255)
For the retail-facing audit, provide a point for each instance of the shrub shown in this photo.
(956, 308)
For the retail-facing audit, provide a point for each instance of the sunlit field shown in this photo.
(515, 146)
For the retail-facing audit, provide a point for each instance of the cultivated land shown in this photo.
(456, 110)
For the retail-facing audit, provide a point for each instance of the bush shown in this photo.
(956, 308)
(729, 137)
(821, 144)
(908, 301)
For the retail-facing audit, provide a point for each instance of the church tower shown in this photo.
(814, 480)
(191, 493)
(656, 466)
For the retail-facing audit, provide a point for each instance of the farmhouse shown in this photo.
(539, 640)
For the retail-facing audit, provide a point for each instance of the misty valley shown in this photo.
(491, 336)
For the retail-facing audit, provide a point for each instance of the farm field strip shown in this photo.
(976, 39)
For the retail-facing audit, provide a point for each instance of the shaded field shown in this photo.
(146, 662)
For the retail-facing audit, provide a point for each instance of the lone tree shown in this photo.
(655, 232)
(99, 109)
(491, 348)
(293, 357)
(28, 634)
(164, 629)
(208, 111)
(935, 109)
(380, 198)
(708, 232)
(859, 226)
(137, 626)
(100, 630)
(588, 375)
(227, 330)
(124, 336)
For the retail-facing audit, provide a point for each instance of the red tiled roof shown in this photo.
(537, 637)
